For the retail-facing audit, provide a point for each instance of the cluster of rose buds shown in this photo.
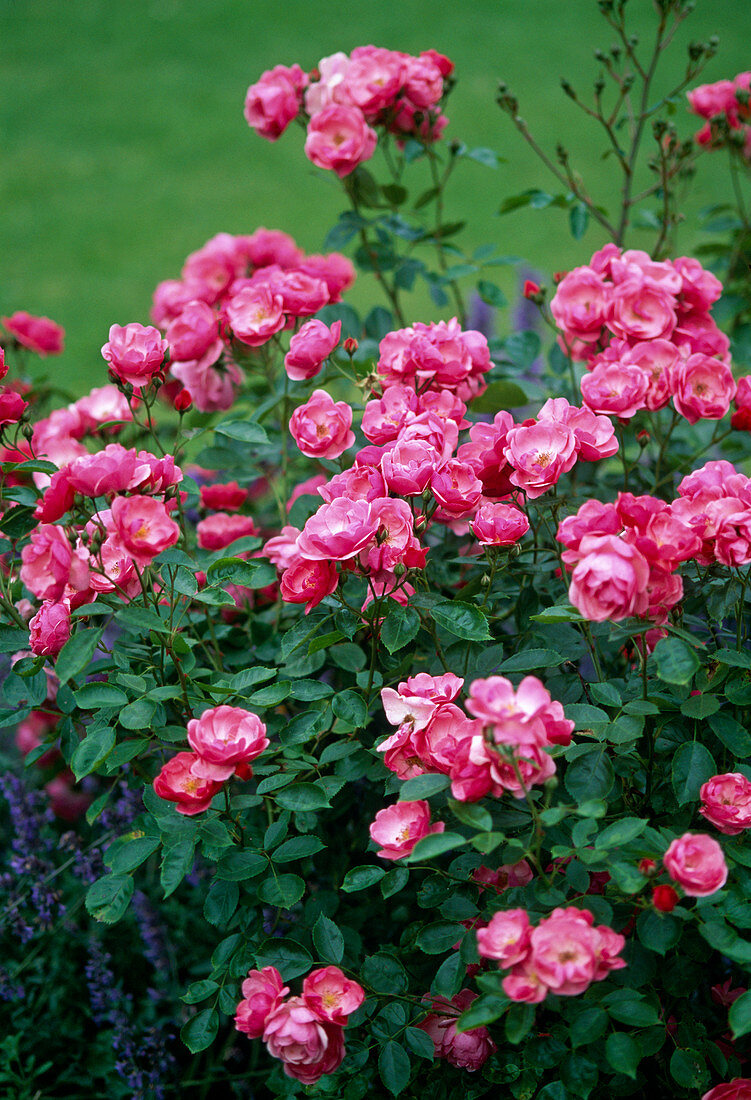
(466, 1050)
(725, 107)
(644, 329)
(224, 741)
(503, 749)
(238, 293)
(305, 1032)
(346, 97)
(563, 954)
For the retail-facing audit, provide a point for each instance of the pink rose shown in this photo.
(263, 992)
(193, 331)
(737, 1089)
(12, 406)
(274, 101)
(224, 737)
(618, 389)
(211, 380)
(143, 527)
(579, 304)
(408, 466)
(308, 582)
(466, 1050)
(50, 564)
(498, 524)
(702, 388)
(398, 828)
(39, 334)
(373, 78)
(222, 529)
(178, 783)
(641, 309)
(331, 995)
(322, 427)
(610, 579)
(726, 802)
(307, 1047)
(339, 138)
(309, 347)
(696, 862)
(456, 488)
(506, 937)
(135, 352)
(219, 497)
(539, 453)
(49, 630)
(255, 314)
(338, 531)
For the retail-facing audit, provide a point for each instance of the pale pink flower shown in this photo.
(322, 427)
(211, 381)
(331, 995)
(539, 453)
(339, 139)
(618, 389)
(193, 331)
(610, 579)
(307, 1047)
(408, 466)
(373, 78)
(702, 388)
(640, 309)
(398, 828)
(255, 314)
(50, 565)
(696, 862)
(135, 352)
(338, 531)
(224, 737)
(467, 1050)
(506, 938)
(496, 524)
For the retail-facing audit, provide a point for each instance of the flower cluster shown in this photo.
(304, 1032)
(346, 97)
(644, 329)
(224, 741)
(237, 293)
(564, 953)
(503, 749)
(725, 107)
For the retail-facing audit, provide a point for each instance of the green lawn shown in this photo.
(124, 145)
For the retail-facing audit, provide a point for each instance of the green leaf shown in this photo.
(77, 652)
(450, 977)
(108, 898)
(677, 662)
(700, 706)
(621, 832)
(591, 776)
(519, 1020)
(435, 844)
(692, 765)
(399, 627)
(420, 1042)
(658, 931)
(238, 865)
(384, 973)
(623, 1053)
(177, 861)
(732, 734)
(632, 1009)
(302, 797)
(137, 715)
(422, 786)
(92, 751)
(485, 1010)
(588, 1026)
(500, 395)
(95, 695)
(360, 878)
(472, 814)
(328, 940)
(740, 1015)
(221, 902)
(201, 1031)
(124, 857)
(465, 620)
(578, 220)
(394, 1067)
(493, 295)
(283, 891)
(297, 848)
(243, 430)
(529, 659)
(689, 1069)
(288, 956)
(724, 656)
(351, 708)
(436, 938)
(199, 991)
(252, 574)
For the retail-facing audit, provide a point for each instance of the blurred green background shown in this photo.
(124, 145)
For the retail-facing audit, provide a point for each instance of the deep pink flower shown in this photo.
(255, 314)
(39, 334)
(12, 406)
(49, 630)
(307, 1047)
(178, 783)
(506, 938)
(310, 347)
(50, 564)
(143, 527)
(274, 100)
(263, 992)
(338, 531)
(222, 529)
(610, 579)
(466, 1050)
(737, 1089)
(219, 497)
(193, 331)
(726, 802)
(702, 388)
(496, 524)
(308, 581)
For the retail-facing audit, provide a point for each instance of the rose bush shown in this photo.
(390, 679)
